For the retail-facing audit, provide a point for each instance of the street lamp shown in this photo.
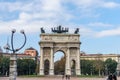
(91, 70)
(13, 57)
(106, 70)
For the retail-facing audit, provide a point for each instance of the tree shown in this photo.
(4, 65)
(26, 66)
(86, 67)
(99, 66)
(59, 67)
(92, 67)
(19, 67)
(111, 65)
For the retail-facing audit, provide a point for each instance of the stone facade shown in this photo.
(103, 57)
(69, 44)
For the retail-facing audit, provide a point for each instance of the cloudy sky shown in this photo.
(98, 20)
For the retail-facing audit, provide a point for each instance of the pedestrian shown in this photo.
(114, 77)
(109, 77)
(63, 77)
(66, 77)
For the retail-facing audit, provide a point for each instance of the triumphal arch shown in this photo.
(59, 40)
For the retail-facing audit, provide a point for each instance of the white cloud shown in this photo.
(85, 3)
(40, 13)
(112, 32)
(34, 15)
(56, 9)
(53, 5)
(95, 3)
(24, 16)
(90, 33)
(100, 24)
(110, 5)
(33, 6)
(89, 8)
(86, 32)
(28, 27)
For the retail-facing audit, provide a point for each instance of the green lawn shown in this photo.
(96, 76)
(88, 76)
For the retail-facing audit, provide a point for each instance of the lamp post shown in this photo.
(118, 66)
(106, 70)
(13, 57)
(91, 70)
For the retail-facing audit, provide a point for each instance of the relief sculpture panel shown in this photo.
(60, 38)
(73, 52)
(46, 52)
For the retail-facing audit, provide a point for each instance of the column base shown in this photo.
(12, 78)
(68, 72)
(41, 72)
(51, 72)
(78, 72)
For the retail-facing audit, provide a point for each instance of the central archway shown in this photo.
(59, 63)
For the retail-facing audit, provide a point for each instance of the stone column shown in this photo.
(67, 67)
(51, 62)
(118, 66)
(13, 67)
(78, 70)
(41, 72)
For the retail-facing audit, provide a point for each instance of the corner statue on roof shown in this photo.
(42, 30)
(76, 31)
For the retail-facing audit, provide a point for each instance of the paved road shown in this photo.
(53, 78)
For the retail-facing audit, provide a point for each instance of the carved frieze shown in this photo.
(60, 38)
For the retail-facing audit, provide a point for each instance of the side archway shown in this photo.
(73, 67)
(46, 67)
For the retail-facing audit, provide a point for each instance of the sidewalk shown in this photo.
(52, 78)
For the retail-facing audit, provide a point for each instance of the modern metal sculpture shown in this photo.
(13, 57)
(59, 29)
